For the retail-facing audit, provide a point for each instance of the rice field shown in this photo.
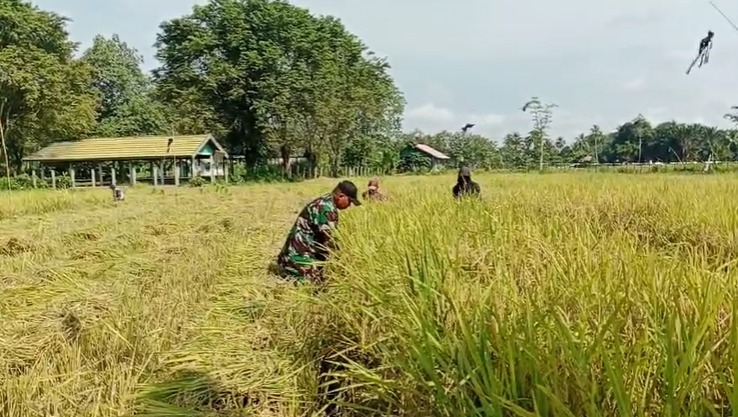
(555, 295)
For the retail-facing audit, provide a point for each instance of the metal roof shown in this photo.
(128, 148)
(432, 152)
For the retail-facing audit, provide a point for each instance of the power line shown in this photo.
(723, 14)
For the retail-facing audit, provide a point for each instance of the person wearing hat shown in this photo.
(372, 192)
(310, 239)
(464, 184)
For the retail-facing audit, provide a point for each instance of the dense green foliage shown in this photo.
(271, 80)
(44, 92)
(274, 80)
(635, 141)
(125, 93)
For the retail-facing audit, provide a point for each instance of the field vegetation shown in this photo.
(555, 295)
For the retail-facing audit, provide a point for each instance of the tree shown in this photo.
(732, 117)
(278, 80)
(468, 149)
(687, 137)
(513, 150)
(581, 149)
(628, 140)
(126, 106)
(356, 96)
(542, 115)
(596, 140)
(663, 143)
(559, 148)
(716, 144)
(223, 56)
(635, 140)
(44, 91)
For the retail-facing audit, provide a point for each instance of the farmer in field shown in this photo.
(372, 192)
(311, 238)
(464, 185)
(118, 194)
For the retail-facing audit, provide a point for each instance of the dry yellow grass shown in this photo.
(566, 294)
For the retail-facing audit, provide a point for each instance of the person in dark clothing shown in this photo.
(703, 54)
(464, 185)
(706, 42)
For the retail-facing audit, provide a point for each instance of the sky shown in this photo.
(479, 61)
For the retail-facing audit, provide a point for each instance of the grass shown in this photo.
(556, 295)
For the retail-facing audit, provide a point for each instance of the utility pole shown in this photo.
(5, 154)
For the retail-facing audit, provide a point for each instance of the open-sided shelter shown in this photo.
(168, 158)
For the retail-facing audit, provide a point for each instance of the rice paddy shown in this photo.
(568, 294)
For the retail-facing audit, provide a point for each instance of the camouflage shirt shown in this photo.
(309, 239)
(375, 195)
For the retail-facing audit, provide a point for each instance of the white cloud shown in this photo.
(431, 118)
(430, 113)
(635, 85)
(656, 114)
(488, 119)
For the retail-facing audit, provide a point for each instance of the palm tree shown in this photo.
(717, 143)
(687, 137)
(732, 117)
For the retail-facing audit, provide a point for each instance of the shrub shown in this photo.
(197, 182)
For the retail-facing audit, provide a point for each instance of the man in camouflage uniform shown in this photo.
(310, 238)
(372, 192)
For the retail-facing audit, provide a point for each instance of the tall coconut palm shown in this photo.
(687, 138)
(717, 143)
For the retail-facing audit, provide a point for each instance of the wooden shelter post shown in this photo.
(131, 174)
(212, 169)
(176, 173)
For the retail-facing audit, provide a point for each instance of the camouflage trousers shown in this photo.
(300, 268)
